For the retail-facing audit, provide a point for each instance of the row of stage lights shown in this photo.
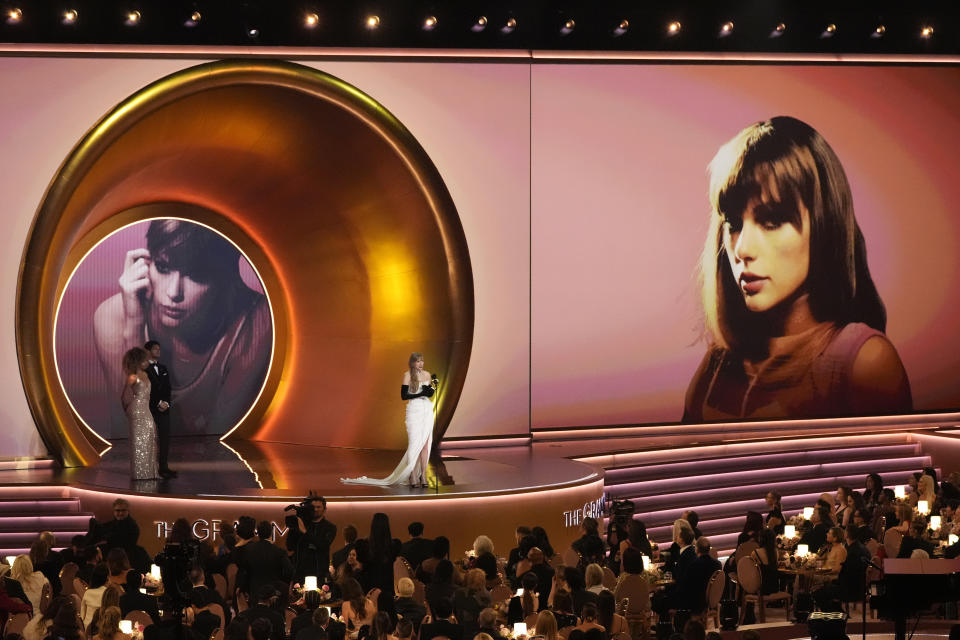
(373, 22)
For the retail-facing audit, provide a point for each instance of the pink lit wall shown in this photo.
(620, 212)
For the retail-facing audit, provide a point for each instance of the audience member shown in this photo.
(322, 627)
(693, 518)
(350, 539)
(563, 610)
(93, 596)
(543, 541)
(607, 616)
(692, 584)
(47, 561)
(440, 552)
(766, 558)
(873, 488)
(441, 624)
(133, 600)
(358, 608)
(546, 626)
(405, 606)
(109, 628)
(590, 544)
(588, 618)
(204, 620)
(488, 624)
(403, 631)
(32, 581)
(470, 600)
(517, 553)
(774, 519)
(528, 602)
(593, 577)
(310, 541)
(751, 528)
(265, 608)
(67, 624)
(40, 624)
(417, 548)
(118, 564)
(265, 564)
(915, 539)
(837, 553)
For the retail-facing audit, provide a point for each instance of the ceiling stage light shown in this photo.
(726, 29)
(430, 23)
(926, 32)
(193, 20)
(510, 26)
(14, 16)
(673, 28)
(311, 20)
(70, 16)
(622, 27)
(132, 18)
(568, 27)
(479, 25)
(372, 22)
(778, 30)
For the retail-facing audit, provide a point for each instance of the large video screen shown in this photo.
(179, 284)
(727, 243)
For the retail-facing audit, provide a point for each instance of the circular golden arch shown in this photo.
(339, 208)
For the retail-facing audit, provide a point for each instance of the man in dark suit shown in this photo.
(160, 406)
(441, 625)
(692, 589)
(416, 549)
(321, 627)
(133, 600)
(265, 564)
(672, 597)
(266, 599)
(488, 624)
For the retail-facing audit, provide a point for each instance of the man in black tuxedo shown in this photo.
(133, 600)
(692, 589)
(265, 564)
(160, 406)
(417, 548)
(672, 597)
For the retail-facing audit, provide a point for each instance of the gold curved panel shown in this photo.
(332, 199)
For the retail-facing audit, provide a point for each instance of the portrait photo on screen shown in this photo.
(795, 323)
(180, 284)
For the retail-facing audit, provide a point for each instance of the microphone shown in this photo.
(434, 381)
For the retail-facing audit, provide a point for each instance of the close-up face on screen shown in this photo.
(184, 286)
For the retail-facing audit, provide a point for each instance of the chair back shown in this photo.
(16, 623)
(75, 601)
(217, 635)
(401, 569)
(892, 540)
(220, 583)
(419, 592)
(872, 546)
(79, 587)
(748, 575)
(571, 558)
(140, 617)
(623, 635)
(67, 574)
(45, 596)
(217, 610)
(635, 588)
(556, 561)
(715, 589)
(531, 622)
(744, 550)
(609, 579)
(241, 599)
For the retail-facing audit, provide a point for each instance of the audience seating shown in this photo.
(636, 590)
(79, 588)
(16, 624)
(67, 574)
(751, 582)
(571, 558)
(401, 569)
(714, 594)
(138, 616)
(892, 540)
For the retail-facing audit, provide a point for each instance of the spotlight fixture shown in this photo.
(926, 32)
(568, 26)
(621, 28)
(311, 20)
(193, 20)
(479, 25)
(430, 23)
(673, 28)
(879, 31)
(70, 16)
(510, 26)
(726, 29)
(373, 22)
(778, 30)
(253, 33)
(829, 31)
(132, 18)
(14, 16)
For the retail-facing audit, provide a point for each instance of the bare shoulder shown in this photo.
(878, 380)
(109, 315)
(133, 379)
(406, 377)
(425, 375)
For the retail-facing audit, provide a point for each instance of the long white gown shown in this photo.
(419, 422)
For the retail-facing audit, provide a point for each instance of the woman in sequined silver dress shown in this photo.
(136, 404)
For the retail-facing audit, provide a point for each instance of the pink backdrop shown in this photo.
(620, 209)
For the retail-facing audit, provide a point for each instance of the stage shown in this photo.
(491, 489)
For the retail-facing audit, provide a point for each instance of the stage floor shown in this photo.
(208, 468)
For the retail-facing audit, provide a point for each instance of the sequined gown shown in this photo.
(143, 431)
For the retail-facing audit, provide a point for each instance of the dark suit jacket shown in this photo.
(335, 631)
(206, 623)
(441, 628)
(411, 610)
(684, 561)
(416, 550)
(168, 630)
(260, 611)
(692, 588)
(264, 563)
(159, 386)
(134, 600)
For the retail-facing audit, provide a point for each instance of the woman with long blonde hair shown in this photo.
(417, 389)
(31, 581)
(793, 319)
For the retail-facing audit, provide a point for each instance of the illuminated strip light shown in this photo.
(66, 286)
(256, 476)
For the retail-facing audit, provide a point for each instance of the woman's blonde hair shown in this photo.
(593, 575)
(925, 489)
(547, 625)
(795, 160)
(109, 621)
(111, 596)
(132, 360)
(482, 545)
(405, 587)
(476, 580)
(22, 568)
(414, 385)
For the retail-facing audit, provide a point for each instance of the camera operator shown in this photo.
(310, 537)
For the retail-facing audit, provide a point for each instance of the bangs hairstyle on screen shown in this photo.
(194, 250)
(795, 160)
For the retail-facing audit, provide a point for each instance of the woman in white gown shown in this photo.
(416, 390)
